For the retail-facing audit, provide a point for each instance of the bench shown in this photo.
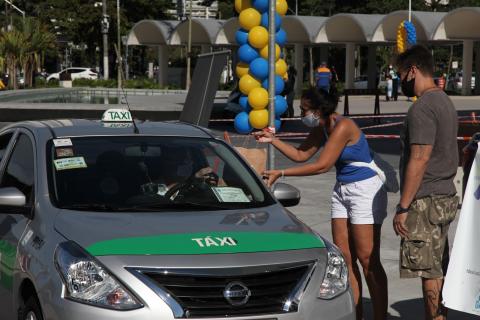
(362, 92)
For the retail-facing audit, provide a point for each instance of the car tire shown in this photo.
(31, 310)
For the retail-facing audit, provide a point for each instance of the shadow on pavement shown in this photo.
(412, 310)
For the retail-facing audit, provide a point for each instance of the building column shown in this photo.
(299, 56)
(477, 69)
(162, 74)
(372, 67)
(323, 54)
(467, 67)
(349, 65)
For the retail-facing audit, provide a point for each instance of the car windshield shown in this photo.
(138, 173)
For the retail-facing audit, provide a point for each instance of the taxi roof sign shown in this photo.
(117, 115)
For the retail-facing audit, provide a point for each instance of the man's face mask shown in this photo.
(408, 86)
(185, 169)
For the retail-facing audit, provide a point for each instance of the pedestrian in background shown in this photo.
(359, 200)
(394, 76)
(323, 77)
(428, 166)
(388, 76)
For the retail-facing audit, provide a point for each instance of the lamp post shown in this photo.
(105, 26)
(119, 48)
(271, 80)
(189, 46)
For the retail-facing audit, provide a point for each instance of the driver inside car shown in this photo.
(177, 169)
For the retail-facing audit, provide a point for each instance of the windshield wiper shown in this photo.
(92, 207)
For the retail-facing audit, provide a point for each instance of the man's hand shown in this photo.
(399, 225)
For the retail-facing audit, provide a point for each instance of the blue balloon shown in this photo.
(281, 37)
(247, 53)
(280, 106)
(278, 125)
(259, 68)
(241, 36)
(279, 84)
(241, 123)
(243, 102)
(278, 21)
(260, 5)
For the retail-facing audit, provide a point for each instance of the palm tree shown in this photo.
(22, 47)
(37, 41)
(12, 45)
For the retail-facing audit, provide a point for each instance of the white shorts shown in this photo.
(362, 202)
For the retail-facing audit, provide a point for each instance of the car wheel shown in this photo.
(32, 309)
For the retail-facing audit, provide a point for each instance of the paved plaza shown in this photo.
(405, 296)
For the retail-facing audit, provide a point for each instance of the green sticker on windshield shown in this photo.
(70, 163)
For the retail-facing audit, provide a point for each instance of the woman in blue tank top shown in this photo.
(359, 201)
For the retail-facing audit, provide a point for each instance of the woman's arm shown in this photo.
(329, 155)
(298, 154)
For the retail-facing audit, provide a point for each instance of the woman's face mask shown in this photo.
(310, 120)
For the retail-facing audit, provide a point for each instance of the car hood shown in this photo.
(266, 229)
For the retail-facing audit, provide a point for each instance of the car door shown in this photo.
(18, 172)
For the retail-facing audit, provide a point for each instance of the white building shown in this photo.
(182, 9)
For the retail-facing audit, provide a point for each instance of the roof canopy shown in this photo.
(457, 25)
(357, 28)
(425, 24)
(151, 32)
(204, 31)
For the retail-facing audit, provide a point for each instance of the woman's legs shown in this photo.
(366, 239)
(343, 240)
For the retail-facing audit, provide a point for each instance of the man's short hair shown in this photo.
(418, 56)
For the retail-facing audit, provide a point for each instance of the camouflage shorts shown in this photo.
(425, 252)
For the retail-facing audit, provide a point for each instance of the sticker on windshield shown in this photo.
(70, 163)
(64, 152)
(62, 142)
(230, 194)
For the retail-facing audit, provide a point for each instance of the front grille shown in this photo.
(201, 294)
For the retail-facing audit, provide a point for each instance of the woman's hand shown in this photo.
(264, 136)
(271, 176)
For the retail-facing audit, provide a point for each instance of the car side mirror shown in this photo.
(286, 194)
(13, 201)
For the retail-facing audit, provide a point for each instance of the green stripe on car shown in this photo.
(207, 243)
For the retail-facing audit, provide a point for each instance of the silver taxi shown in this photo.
(145, 220)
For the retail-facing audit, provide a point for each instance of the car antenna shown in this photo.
(122, 76)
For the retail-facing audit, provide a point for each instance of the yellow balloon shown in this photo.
(242, 69)
(282, 7)
(258, 37)
(241, 5)
(258, 98)
(281, 67)
(247, 83)
(249, 18)
(258, 118)
(264, 52)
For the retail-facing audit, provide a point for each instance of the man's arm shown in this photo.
(417, 164)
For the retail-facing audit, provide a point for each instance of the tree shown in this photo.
(22, 47)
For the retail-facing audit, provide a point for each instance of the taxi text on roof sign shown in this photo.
(117, 115)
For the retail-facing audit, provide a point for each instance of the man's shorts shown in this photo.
(362, 202)
(425, 253)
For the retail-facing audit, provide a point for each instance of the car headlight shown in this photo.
(335, 280)
(87, 281)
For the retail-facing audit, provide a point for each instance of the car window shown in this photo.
(138, 172)
(76, 70)
(20, 168)
(4, 141)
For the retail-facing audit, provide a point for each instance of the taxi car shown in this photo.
(118, 219)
